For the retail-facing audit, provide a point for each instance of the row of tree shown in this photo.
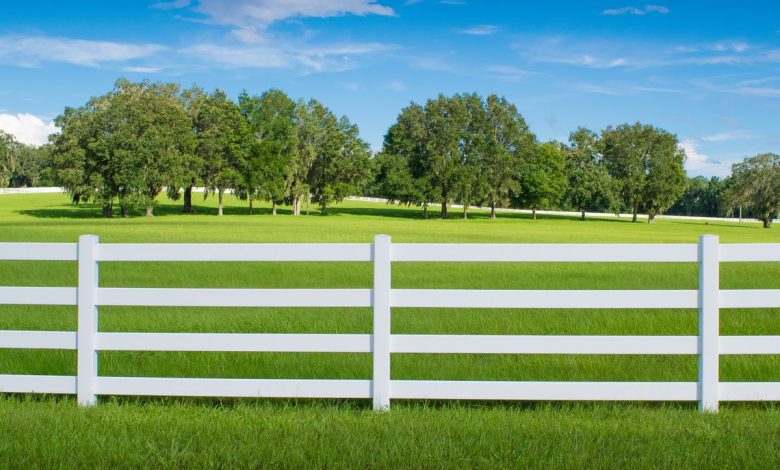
(480, 152)
(24, 165)
(125, 147)
(752, 190)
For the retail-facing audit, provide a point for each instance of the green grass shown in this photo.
(143, 432)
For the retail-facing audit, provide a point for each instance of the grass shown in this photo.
(146, 432)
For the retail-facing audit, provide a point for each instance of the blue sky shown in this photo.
(707, 71)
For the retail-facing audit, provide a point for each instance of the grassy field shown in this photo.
(177, 433)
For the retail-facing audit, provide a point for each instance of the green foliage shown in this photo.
(589, 185)
(223, 141)
(272, 120)
(341, 163)
(755, 183)
(8, 158)
(647, 164)
(459, 148)
(701, 197)
(124, 146)
(543, 177)
(34, 167)
(401, 175)
(509, 143)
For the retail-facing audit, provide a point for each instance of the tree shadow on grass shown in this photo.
(95, 211)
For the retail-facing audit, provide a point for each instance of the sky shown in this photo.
(707, 71)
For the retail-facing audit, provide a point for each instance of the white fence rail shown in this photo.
(88, 341)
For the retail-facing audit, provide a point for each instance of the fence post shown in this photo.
(709, 322)
(381, 337)
(87, 320)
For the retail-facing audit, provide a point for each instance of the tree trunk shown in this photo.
(323, 208)
(492, 211)
(273, 207)
(650, 218)
(219, 206)
(425, 211)
(296, 205)
(583, 215)
(188, 200)
(308, 200)
(767, 222)
(634, 218)
(150, 211)
(123, 210)
(108, 210)
(444, 209)
(533, 214)
(465, 211)
(250, 206)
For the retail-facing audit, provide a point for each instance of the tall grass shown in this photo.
(251, 433)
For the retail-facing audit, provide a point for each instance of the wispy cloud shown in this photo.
(726, 136)
(28, 128)
(251, 18)
(636, 11)
(621, 89)
(605, 53)
(480, 30)
(395, 85)
(32, 51)
(509, 73)
(141, 69)
(171, 5)
(334, 58)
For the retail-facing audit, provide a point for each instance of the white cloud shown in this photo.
(480, 30)
(333, 58)
(172, 4)
(696, 161)
(509, 73)
(636, 11)
(27, 128)
(251, 18)
(31, 51)
(621, 88)
(141, 69)
(396, 85)
(726, 136)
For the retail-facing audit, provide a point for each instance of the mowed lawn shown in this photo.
(178, 432)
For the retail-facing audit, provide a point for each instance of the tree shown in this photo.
(8, 158)
(272, 120)
(446, 120)
(34, 167)
(341, 164)
(543, 177)
(470, 184)
(156, 138)
(647, 165)
(402, 174)
(756, 184)
(508, 143)
(589, 184)
(123, 146)
(702, 196)
(223, 139)
(192, 170)
(82, 160)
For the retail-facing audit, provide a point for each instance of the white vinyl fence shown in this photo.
(88, 340)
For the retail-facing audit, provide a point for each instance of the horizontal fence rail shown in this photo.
(88, 297)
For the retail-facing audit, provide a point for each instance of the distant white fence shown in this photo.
(88, 340)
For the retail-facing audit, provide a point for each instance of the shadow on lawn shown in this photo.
(94, 211)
